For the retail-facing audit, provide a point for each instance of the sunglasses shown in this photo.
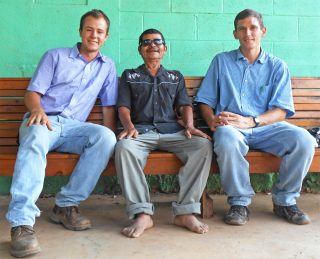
(148, 42)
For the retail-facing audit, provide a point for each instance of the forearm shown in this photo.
(187, 116)
(207, 113)
(272, 116)
(32, 101)
(125, 118)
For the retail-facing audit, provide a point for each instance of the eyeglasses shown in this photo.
(148, 42)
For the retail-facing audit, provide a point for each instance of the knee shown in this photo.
(124, 145)
(105, 136)
(204, 145)
(35, 136)
(226, 140)
(305, 142)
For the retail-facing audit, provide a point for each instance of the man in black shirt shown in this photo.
(148, 102)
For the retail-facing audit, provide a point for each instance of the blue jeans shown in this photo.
(94, 143)
(294, 145)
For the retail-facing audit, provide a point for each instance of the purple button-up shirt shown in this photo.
(70, 85)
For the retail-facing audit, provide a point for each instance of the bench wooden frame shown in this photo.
(306, 92)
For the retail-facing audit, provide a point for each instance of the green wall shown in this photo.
(195, 31)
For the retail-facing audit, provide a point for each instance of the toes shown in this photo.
(136, 234)
(204, 228)
(127, 232)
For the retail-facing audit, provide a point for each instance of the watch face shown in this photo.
(256, 121)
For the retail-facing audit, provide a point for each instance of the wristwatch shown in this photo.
(256, 121)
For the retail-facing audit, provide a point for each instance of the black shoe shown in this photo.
(23, 241)
(237, 215)
(292, 213)
(70, 218)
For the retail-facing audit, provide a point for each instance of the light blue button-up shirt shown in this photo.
(232, 84)
(70, 85)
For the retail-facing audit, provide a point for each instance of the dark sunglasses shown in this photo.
(148, 42)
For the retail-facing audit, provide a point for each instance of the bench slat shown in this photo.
(306, 114)
(306, 92)
(305, 82)
(307, 106)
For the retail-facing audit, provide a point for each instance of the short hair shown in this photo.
(151, 31)
(96, 14)
(247, 13)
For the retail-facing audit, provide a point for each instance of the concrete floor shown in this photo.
(265, 236)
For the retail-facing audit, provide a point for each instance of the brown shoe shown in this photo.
(23, 241)
(70, 218)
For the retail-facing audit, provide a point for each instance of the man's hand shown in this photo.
(38, 117)
(236, 120)
(128, 133)
(215, 122)
(193, 131)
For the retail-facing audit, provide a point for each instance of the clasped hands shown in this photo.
(230, 118)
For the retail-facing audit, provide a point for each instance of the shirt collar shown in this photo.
(75, 53)
(145, 71)
(261, 58)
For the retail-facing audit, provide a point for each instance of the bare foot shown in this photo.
(190, 222)
(139, 225)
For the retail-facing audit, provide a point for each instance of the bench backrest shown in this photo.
(306, 92)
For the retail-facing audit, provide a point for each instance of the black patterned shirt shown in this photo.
(153, 101)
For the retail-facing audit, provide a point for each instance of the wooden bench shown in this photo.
(306, 93)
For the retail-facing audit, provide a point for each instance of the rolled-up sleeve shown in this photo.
(124, 95)
(42, 78)
(282, 92)
(109, 92)
(182, 98)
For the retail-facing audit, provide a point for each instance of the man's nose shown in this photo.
(248, 31)
(94, 34)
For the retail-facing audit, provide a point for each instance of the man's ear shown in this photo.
(235, 34)
(264, 31)
(107, 35)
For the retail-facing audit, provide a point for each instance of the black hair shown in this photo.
(247, 13)
(151, 31)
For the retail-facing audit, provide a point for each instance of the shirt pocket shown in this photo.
(140, 92)
(262, 95)
(169, 92)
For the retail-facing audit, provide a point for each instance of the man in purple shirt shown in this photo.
(59, 99)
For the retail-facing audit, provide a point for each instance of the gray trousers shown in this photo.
(131, 156)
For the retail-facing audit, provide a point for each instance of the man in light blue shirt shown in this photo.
(59, 99)
(245, 98)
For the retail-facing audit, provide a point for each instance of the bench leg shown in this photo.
(206, 206)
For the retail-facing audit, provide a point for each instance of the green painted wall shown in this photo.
(195, 30)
